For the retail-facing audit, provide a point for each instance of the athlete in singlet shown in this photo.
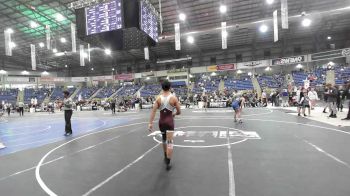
(237, 104)
(166, 103)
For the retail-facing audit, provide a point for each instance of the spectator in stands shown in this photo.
(347, 93)
(313, 98)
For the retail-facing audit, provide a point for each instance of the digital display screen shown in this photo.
(149, 21)
(104, 17)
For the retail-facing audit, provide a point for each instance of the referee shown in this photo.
(67, 107)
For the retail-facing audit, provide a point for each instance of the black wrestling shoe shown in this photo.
(68, 134)
(345, 119)
(168, 165)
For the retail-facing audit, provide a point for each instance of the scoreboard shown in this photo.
(104, 17)
(148, 21)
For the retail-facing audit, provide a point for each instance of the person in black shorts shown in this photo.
(166, 103)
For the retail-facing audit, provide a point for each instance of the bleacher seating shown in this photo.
(150, 90)
(57, 93)
(9, 96)
(180, 88)
(39, 94)
(106, 92)
(232, 84)
(86, 92)
(270, 81)
(342, 75)
(128, 90)
(210, 85)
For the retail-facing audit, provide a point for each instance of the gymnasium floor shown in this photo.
(272, 153)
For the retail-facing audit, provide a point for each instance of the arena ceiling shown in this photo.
(203, 18)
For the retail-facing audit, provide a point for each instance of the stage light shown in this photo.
(59, 17)
(223, 9)
(33, 24)
(182, 16)
(113, 69)
(306, 22)
(92, 69)
(263, 28)
(108, 52)
(299, 66)
(9, 30)
(190, 39)
(25, 72)
(270, 1)
(63, 40)
(45, 73)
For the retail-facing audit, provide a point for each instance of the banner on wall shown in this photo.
(48, 37)
(178, 70)
(21, 79)
(212, 68)
(284, 14)
(226, 67)
(222, 67)
(346, 52)
(147, 74)
(73, 36)
(80, 79)
(275, 26)
(102, 78)
(52, 79)
(253, 64)
(33, 56)
(177, 36)
(223, 35)
(125, 77)
(289, 60)
(8, 48)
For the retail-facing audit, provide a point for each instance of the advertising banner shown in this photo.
(253, 64)
(225, 67)
(80, 79)
(212, 68)
(289, 60)
(125, 77)
(52, 79)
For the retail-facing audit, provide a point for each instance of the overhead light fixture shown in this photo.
(12, 45)
(191, 76)
(213, 74)
(9, 30)
(331, 63)
(342, 69)
(54, 50)
(268, 69)
(65, 66)
(33, 24)
(263, 28)
(299, 66)
(239, 71)
(41, 44)
(25, 72)
(45, 73)
(329, 37)
(108, 52)
(190, 39)
(92, 69)
(250, 74)
(223, 9)
(113, 69)
(270, 1)
(2, 72)
(59, 17)
(306, 22)
(63, 40)
(85, 55)
(148, 78)
(182, 16)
